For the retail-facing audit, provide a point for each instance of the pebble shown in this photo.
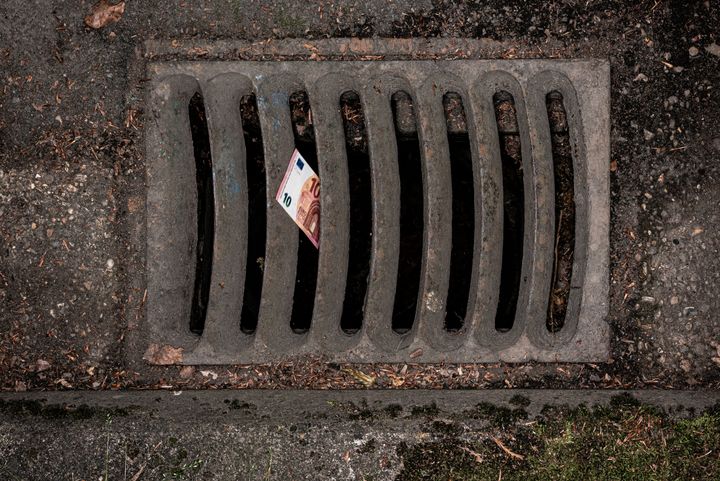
(713, 49)
(674, 300)
(685, 365)
(693, 51)
(110, 263)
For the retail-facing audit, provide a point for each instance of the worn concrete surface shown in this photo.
(269, 435)
(71, 173)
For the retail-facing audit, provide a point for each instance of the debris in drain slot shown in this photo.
(104, 13)
(299, 195)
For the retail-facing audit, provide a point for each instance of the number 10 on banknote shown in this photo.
(299, 195)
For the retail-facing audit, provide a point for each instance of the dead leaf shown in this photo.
(134, 203)
(163, 355)
(42, 365)
(64, 383)
(366, 379)
(104, 13)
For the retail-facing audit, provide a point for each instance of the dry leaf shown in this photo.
(42, 365)
(163, 355)
(104, 13)
(366, 379)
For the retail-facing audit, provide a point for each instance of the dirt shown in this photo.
(71, 177)
(179, 436)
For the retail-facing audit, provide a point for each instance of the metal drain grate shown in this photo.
(529, 151)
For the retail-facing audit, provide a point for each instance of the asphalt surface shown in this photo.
(72, 173)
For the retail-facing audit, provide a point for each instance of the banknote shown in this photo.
(299, 195)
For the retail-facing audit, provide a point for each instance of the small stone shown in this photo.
(648, 299)
(110, 263)
(641, 77)
(648, 135)
(685, 365)
(674, 300)
(42, 365)
(713, 49)
(693, 51)
(186, 372)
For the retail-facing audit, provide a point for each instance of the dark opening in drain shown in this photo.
(463, 212)
(205, 212)
(307, 266)
(513, 210)
(564, 212)
(360, 212)
(255, 167)
(411, 213)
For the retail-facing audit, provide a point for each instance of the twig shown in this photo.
(507, 451)
(477, 456)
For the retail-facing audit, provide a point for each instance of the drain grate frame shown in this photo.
(585, 88)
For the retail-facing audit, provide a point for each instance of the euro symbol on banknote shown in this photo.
(299, 195)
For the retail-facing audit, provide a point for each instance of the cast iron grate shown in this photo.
(464, 210)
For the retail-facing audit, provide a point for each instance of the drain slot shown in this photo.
(205, 212)
(411, 212)
(513, 210)
(308, 255)
(257, 217)
(463, 212)
(356, 148)
(564, 212)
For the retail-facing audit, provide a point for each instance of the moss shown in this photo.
(58, 411)
(520, 401)
(427, 410)
(369, 447)
(625, 440)
(393, 410)
(497, 416)
(445, 428)
(236, 405)
(449, 460)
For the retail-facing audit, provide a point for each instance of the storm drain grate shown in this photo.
(464, 210)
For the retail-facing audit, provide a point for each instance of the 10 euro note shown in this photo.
(299, 195)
